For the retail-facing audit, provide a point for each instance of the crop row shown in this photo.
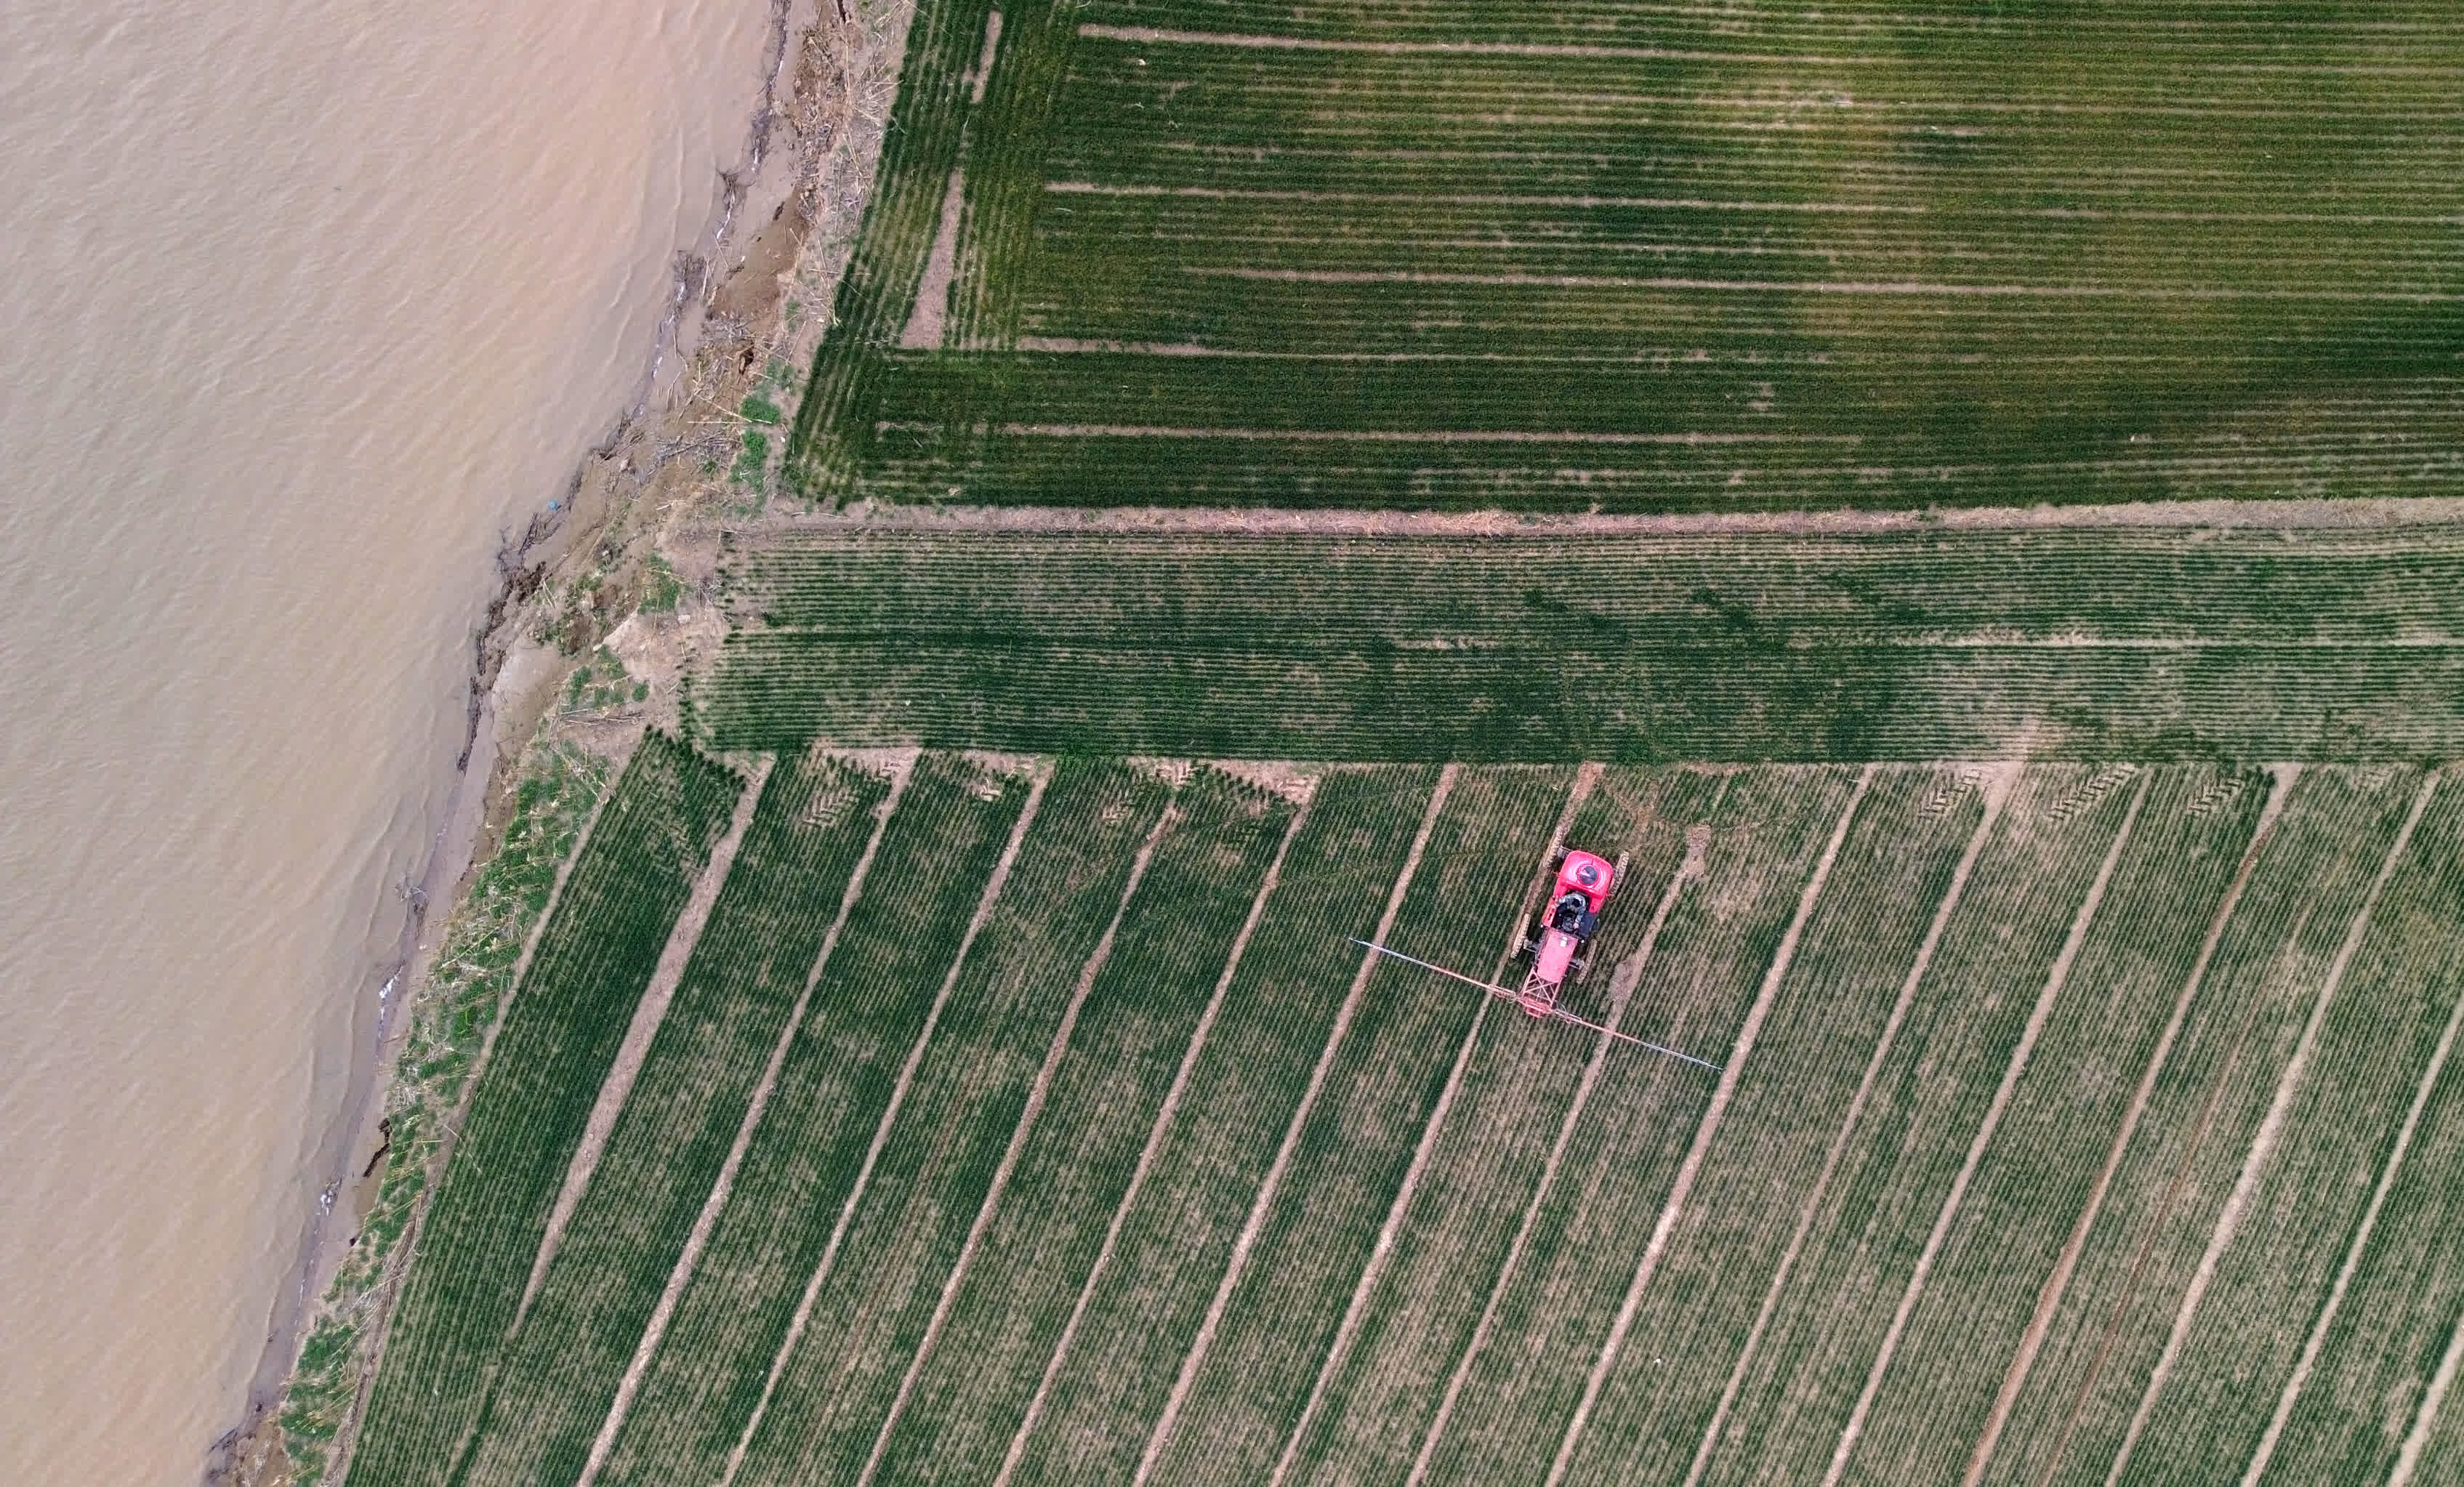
(848, 1387)
(975, 1075)
(552, 1051)
(1288, 593)
(2227, 30)
(1131, 1311)
(1886, 702)
(2089, 641)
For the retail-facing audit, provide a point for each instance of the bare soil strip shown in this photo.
(2152, 1230)
(1267, 1189)
(1156, 1134)
(901, 770)
(2131, 292)
(2363, 514)
(2263, 1146)
(648, 1013)
(1731, 1071)
(1691, 868)
(2326, 1318)
(2049, 1299)
(1035, 1097)
(1586, 202)
(1401, 435)
(2055, 980)
(1339, 1348)
(1998, 784)
(932, 312)
(2408, 1460)
(1166, 37)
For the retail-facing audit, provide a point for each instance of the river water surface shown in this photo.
(301, 306)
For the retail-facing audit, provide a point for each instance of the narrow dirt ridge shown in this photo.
(1687, 869)
(648, 1013)
(1997, 787)
(1034, 1098)
(2055, 980)
(2326, 1319)
(2049, 1299)
(2263, 1146)
(1339, 1348)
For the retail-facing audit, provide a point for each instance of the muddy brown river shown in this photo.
(303, 307)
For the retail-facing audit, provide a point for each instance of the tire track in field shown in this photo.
(991, 1205)
(1156, 1134)
(2263, 1146)
(902, 769)
(648, 1013)
(2159, 293)
(2409, 1458)
(1690, 868)
(1258, 1208)
(1339, 1348)
(2050, 1299)
(1158, 35)
(1998, 787)
(2326, 1319)
(2056, 979)
(1731, 1072)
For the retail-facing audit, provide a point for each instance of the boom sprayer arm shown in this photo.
(1560, 1015)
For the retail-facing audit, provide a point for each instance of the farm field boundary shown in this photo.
(1625, 258)
(1160, 1172)
(2241, 642)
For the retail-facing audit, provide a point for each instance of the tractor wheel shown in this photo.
(1582, 969)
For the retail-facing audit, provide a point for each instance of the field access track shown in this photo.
(1627, 256)
(1543, 645)
(1026, 1119)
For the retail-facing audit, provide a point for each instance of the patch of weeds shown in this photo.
(599, 684)
(661, 588)
(751, 462)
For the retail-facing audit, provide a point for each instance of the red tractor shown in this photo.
(1567, 924)
(1566, 927)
